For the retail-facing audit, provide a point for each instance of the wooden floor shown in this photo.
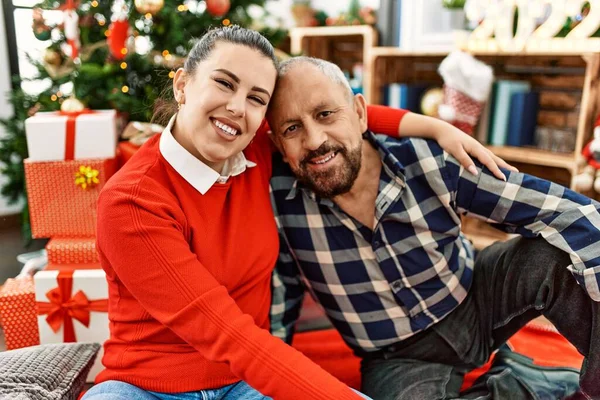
(11, 245)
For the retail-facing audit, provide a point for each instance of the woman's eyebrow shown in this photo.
(237, 80)
(231, 74)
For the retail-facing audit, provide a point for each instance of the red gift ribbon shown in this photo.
(70, 5)
(63, 308)
(71, 130)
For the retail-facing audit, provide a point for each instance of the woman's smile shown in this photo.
(226, 129)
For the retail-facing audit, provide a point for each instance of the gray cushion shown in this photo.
(48, 372)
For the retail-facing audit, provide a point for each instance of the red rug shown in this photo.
(540, 342)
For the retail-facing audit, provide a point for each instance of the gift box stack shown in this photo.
(71, 156)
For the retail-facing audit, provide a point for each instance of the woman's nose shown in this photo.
(237, 106)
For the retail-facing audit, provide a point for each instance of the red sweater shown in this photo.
(189, 280)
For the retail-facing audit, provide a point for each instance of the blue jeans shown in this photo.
(117, 390)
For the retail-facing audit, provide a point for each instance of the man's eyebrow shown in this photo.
(288, 121)
(237, 80)
(319, 107)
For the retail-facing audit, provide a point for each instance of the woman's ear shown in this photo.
(179, 81)
(360, 106)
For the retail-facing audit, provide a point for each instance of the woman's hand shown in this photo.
(453, 141)
(463, 147)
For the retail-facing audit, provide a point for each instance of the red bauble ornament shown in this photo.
(218, 8)
(119, 31)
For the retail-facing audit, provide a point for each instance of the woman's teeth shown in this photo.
(226, 128)
(323, 161)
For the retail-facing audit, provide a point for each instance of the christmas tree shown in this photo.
(114, 55)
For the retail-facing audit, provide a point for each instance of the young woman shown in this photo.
(187, 238)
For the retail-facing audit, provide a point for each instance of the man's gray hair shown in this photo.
(330, 70)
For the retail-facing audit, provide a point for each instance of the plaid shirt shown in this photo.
(384, 285)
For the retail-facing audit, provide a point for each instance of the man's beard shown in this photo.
(333, 181)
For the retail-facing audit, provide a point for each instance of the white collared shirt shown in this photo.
(194, 171)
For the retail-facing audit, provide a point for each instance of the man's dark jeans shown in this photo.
(514, 282)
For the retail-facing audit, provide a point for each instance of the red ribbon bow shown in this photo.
(71, 129)
(63, 308)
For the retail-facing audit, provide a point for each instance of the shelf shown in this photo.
(535, 156)
(332, 30)
(550, 46)
(354, 44)
(398, 52)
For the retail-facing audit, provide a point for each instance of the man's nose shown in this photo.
(315, 137)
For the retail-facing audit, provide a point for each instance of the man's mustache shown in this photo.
(321, 151)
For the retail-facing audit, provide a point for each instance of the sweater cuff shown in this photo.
(382, 119)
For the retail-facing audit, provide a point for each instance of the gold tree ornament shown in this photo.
(86, 177)
(56, 64)
(149, 6)
(431, 100)
(72, 105)
(52, 57)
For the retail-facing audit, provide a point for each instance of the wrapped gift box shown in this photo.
(56, 136)
(72, 250)
(72, 306)
(72, 267)
(63, 194)
(18, 314)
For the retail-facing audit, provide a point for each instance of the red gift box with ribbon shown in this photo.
(18, 313)
(72, 306)
(72, 251)
(63, 195)
(55, 136)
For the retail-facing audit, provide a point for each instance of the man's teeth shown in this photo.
(226, 128)
(323, 161)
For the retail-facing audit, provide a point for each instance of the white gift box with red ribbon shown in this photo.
(56, 136)
(72, 306)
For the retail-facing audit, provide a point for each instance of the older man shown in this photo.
(371, 227)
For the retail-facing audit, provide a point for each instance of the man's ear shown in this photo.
(360, 106)
(179, 81)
